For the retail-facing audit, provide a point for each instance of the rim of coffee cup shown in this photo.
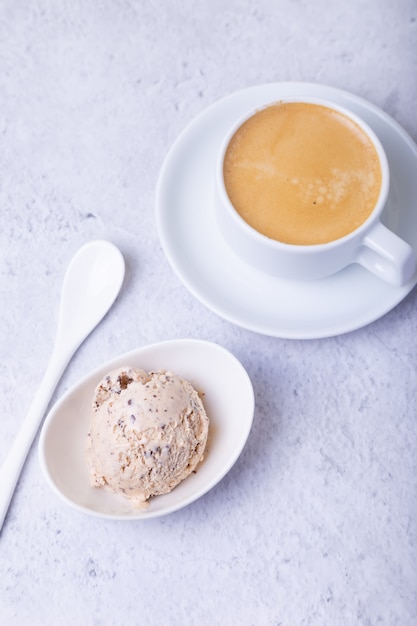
(361, 229)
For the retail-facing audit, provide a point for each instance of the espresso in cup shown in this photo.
(301, 185)
(302, 173)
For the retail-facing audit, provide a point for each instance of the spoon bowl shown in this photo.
(229, 402)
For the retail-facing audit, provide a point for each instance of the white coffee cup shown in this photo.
(372, 245)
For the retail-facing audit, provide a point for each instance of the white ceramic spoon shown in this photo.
(229, 401)
(92, 282)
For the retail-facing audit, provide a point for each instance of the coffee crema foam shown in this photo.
(302, 173)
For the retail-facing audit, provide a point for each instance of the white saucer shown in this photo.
(227, 285)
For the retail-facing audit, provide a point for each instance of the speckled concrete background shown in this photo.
(316, 523)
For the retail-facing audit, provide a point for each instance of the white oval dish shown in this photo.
(229, 402)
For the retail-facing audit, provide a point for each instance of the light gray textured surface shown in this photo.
(316, 523)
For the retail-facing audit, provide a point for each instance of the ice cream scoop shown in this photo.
(91, 284)
(148, 432)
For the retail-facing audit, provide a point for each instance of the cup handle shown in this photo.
(387, 256)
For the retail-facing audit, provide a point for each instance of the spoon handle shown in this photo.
(12, 466)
